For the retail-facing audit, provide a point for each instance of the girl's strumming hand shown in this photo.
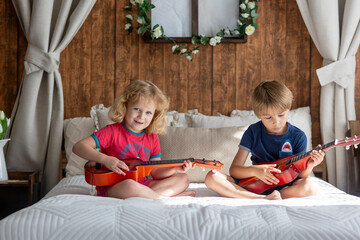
(115, 165)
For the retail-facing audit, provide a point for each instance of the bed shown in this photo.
(72, 211)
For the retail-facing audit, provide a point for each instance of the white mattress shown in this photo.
(69, 212)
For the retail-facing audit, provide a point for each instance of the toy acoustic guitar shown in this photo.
(291, 166)
(98, 175)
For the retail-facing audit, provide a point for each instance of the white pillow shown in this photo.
(99, 115)
(176, 119)
(299, 117)
(204, 121)
(219, 144)
(76, 129)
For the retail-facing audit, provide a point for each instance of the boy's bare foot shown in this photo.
(190, 193)
(275, 195)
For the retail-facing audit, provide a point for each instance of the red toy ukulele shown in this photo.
(291, 166)
(98, 175)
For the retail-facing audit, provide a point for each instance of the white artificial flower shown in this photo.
(139, 1)
(2, 115)
(174, 48)
(239, 22)
(189, 57)
(227, 31)
(127, 26)
(195, 51)
(183, 50)
(129, 17)
(1, 129)
(140, 20)
(243, 6)
(249, 30)
(246, 1)
(236, 32)
(251, 5)
(254, 14)
(132, 2)
(245, 15)
(157, 32)
(212, 42)
(217, 39)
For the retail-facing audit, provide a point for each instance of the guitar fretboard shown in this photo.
(167, 161)
(304, 155)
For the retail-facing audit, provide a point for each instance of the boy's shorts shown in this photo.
(102, 191)
(267, 192)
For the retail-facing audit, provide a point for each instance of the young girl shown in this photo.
(139, 115)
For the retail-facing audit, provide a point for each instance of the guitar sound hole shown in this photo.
(97, 166)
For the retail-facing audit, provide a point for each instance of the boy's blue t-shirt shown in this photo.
(266, 147)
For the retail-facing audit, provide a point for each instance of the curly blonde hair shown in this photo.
(138, 90)
(271, 94)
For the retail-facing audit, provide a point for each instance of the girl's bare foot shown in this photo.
(275, 195)
(190, 193)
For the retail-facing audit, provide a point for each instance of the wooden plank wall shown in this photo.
(103, 58)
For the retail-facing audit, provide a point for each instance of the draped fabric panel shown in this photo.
(37, 118)
(334, 26)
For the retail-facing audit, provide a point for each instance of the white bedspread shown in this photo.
(69, 212)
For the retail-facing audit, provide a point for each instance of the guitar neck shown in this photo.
(304, 155)
(161, 162)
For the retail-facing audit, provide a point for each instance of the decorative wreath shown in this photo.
(246, 25)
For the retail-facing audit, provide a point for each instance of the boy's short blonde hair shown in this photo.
(138, 90)
(271, 94)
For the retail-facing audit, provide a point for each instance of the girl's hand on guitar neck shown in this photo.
(114, 164)
(187, 166)
(265, 172)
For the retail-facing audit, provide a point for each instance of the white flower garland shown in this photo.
(246, 25)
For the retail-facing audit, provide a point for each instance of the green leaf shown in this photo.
(204, 40)
(194, 40)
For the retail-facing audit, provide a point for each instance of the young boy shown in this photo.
(268, 140)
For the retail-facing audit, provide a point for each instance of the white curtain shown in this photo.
(37, 117)
(335, 29)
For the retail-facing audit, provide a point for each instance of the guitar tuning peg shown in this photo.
(347, 147)
(356, 146)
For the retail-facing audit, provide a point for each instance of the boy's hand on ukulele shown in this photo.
(265, 172)
(317, 156)
(116, 165)
(186, 167)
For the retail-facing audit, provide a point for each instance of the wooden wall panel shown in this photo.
(8, 56)
(200, 86)
(102, 59)
(89, 80)
(316, 62)
(224, 78)
(175, 79)
(357, 85)
(127, 51)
